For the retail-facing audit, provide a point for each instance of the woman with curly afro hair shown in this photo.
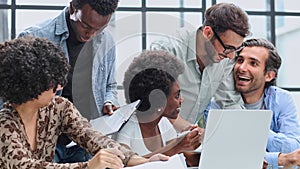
(32, 117)
(152, 78)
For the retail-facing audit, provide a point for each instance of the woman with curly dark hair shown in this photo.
(152, 78)
(32, 117)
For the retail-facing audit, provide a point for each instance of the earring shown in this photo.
(159, 109)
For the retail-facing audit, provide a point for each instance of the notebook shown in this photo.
(108, 125)
(235, 139)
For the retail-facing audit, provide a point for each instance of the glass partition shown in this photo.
(253, 5)
(5, 22)
(260, 26)
(287, 6)
(287, 37)
(27, 18)
(137, 23)
(43, 2)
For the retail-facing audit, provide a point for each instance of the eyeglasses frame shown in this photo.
(227, 50)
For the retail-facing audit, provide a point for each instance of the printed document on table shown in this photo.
(177, 161)
(110, 124)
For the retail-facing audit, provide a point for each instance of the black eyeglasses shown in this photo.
(88, 28)
(227, 49)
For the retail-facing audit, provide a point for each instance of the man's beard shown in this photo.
(210, 50)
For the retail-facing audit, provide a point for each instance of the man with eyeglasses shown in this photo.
(80, 30)
(208, 54)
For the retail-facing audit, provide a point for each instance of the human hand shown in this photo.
(107, 158)
(289, 159)
(158, 157)
(265, 164)
(201, 132)
(190, 141)
(109, 108)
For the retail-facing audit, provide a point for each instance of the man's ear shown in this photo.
(270, 75)
(71, 9)
(207, 32)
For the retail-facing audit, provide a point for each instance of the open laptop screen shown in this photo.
(235, 139)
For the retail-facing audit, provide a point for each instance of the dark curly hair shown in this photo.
(151, 71)
(102, 7)
(28, 67)
(273, 62)
(227, 16)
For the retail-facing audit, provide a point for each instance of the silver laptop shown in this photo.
(235, 139)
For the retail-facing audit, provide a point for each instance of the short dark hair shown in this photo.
(150, 71)
(273, 62)
(102, 7)
(227, 16)
(28, 67)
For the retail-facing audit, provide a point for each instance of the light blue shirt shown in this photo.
(104, 85)
(198, 88)
(284, 136)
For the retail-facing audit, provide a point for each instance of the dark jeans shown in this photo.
(71, 155)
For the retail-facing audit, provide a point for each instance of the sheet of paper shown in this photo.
(110, 124)
(176, 161)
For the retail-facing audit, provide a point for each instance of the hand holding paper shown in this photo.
(109, 108)
(110, 124)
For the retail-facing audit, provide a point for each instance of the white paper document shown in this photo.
(110, 124)
(175, 162)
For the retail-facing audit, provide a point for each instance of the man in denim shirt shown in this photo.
(255, 74)
(80, 30)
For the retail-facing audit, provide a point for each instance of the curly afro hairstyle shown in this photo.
(102, 7)
(30, 66)
(151, 71)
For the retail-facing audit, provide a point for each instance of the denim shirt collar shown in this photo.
(61, 26)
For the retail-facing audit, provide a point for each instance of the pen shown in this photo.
(182, 134)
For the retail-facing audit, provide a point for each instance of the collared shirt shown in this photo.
(103, 82)
(198, 88)
(60, 116)
(284, 135)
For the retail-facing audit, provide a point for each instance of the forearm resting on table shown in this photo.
(136, 160)
(192, 159)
